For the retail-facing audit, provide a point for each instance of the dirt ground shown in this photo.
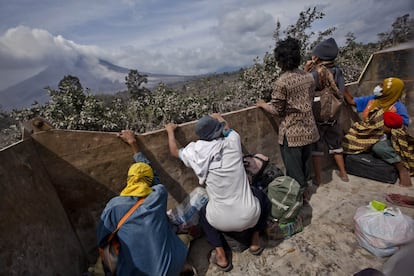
(326, 246)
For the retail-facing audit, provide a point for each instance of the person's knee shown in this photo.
(385, 151)
(380, 148)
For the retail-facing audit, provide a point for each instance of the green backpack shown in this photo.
(286, 198)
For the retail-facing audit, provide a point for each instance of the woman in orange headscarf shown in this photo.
(379, 129)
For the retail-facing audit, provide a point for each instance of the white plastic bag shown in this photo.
(186, 214)
(381, 232)
(380, 252)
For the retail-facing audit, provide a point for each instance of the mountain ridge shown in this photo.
(105, 78)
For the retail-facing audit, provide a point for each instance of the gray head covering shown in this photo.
(209, 128)
(326, 50)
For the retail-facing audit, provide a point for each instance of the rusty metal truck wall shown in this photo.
(55, 185)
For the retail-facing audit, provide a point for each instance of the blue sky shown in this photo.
(186, 37)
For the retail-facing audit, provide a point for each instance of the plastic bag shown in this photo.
(379, 252)
(186, 214)
(381, 232)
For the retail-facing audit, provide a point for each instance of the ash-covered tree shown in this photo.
(66, 103)
(259, 79)
(136, 109)
(353, 56)
(302, 31)
(134, 83)
(5, 119)
(9, 132)
(402, 31)
(73, 107)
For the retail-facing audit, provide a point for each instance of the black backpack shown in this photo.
(260, 170)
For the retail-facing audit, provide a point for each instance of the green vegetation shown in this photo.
(352, 57)
(73, 107)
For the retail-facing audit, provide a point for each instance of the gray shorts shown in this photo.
(330, 136)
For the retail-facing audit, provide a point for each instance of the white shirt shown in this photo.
(219, 164)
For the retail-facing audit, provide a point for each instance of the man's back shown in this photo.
(148, 244)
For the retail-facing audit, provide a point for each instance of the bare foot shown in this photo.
(404, 175)
(255, 247)
(255, 244)
(342, 176)
(218, 257)
(405, 179)
(405, 182)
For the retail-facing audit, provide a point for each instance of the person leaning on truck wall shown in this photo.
(234, 208)
(149, 245)
(380, 130)
(292, 102)
(330, 132)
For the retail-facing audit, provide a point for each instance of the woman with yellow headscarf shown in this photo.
(149, 245)
(388, 141)
(140, 176)
(387, 97)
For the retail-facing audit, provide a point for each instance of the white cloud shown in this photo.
(246, 31)
(34, 47)
(234, 40)
(172, 37)
(25, 52)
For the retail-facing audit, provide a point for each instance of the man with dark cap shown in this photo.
(233, 207)
(330, 132)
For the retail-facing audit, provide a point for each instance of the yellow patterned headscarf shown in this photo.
(391, 92)
(140, 176)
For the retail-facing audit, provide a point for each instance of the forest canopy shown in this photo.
(73, 107)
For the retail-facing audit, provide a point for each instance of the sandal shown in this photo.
(256, 252)
(189, 270)
(401, 200)
(211, 257)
